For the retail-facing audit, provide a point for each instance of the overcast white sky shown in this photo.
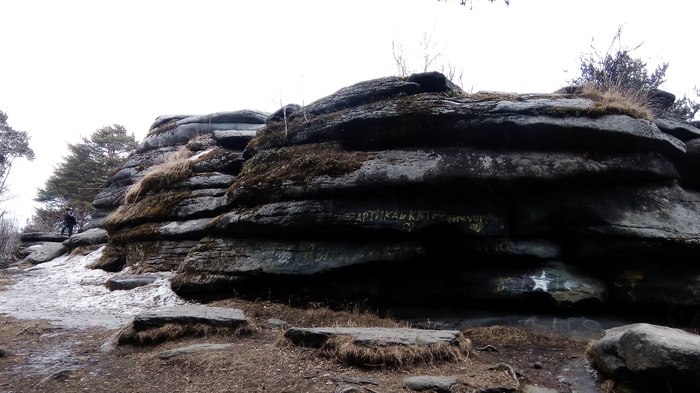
(70, 67)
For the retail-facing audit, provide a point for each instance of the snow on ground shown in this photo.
(67, 293)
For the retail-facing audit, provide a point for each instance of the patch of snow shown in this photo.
(67, 293)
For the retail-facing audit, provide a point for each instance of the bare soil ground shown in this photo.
(53, 359)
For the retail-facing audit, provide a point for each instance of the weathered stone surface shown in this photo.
(206, 180)
(190, 315)
(244, 116)
(428, 382)
(315, 337)
(656, 212)
(274, 323)
(520, 249)
(236, 256)
(361, 93)
(677, 128)
(649, 355)
(45, 252)
(42, 237)
(689, 166)
(460, 120)
(457, 170)
(159, 255)
(163, 119)
(218, 160)
(181, 134)
(407, 191)
(234, 139)
(128, 282)
(200, 206)
(173, 230)
(646, 285)
(171, 353)
(468, 216)
(554, 283)
(89, 237)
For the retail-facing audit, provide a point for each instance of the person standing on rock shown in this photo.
(68, 222)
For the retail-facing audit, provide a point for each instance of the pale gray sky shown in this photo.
(70, 67)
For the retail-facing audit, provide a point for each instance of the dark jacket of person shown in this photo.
(69, 219)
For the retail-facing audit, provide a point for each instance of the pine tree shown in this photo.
(80, 177)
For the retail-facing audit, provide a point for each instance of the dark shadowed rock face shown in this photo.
(407, 191)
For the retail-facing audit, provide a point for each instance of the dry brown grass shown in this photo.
(297, 164)
(315, 315)
(503, 335)
(616, 100)
(344, 350)
(175, 168)
(171, 332)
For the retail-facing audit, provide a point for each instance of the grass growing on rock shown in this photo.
(344, 350)
(170, 332)
(175, 168)
(156, 207)
(298, 163)
(618, 101)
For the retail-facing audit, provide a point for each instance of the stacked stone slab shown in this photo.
(157, 226)
(407, 191)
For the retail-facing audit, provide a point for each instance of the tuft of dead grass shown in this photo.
(297, 164)
(170, 332)
(175, 168)
(315, 315)
(510, 336)
(344, 350)
(618, 100)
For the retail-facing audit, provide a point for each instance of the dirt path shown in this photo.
(59, 321)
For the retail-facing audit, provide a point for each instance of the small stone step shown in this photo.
(427, 382)
(192, 349)
(316, 337)
(190, 315)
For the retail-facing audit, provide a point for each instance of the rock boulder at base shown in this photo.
(128, 282)
(90, 237)
(649, 355)
(45, 252)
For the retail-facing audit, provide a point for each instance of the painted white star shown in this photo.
(540, 282)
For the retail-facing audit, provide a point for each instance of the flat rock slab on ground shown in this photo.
(192, 349)
(128, 282)
(426, 382)
(316, 337)
(190, 315)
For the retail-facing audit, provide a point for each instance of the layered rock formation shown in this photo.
(407, 191)
(178, 176)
